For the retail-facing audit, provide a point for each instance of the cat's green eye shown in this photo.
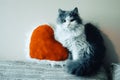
(63, 20)
(72, 20)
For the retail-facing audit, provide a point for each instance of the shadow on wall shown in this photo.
(111, 55)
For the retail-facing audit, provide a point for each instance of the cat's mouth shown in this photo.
(69, 27)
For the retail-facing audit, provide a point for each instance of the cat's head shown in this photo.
(69, 19)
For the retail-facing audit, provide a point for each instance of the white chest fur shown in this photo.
(74, 40)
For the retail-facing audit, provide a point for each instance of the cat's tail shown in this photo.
(82, 67)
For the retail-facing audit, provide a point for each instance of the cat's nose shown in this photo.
(68, 24)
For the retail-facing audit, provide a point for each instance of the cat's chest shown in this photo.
(63, 36)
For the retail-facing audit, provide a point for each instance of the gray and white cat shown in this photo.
(84, 42)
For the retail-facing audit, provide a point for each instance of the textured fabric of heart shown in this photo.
(43, 45)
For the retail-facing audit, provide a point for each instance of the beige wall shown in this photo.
(17, 17)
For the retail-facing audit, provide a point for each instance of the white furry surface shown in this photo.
(24, 70)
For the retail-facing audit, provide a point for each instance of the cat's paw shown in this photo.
(57, 63)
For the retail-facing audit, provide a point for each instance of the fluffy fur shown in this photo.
(84, 42)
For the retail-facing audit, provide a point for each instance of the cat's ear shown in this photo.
(75, 10)
(60, 10)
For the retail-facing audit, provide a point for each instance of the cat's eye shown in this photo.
(72, 20)
(63, 20)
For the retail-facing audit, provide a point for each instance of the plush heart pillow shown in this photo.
(43, 45)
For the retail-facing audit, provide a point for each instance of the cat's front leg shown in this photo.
(75, 54)
(58, 63)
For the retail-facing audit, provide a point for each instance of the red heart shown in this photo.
(44, 46)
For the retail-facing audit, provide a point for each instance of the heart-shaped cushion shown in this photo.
(43, 45)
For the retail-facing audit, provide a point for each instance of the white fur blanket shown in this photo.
(23, 70)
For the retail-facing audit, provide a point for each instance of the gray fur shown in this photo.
(71, 33)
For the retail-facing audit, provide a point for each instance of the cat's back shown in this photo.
(95, 39)
(93, 34)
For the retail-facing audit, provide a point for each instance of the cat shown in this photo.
(84, 42)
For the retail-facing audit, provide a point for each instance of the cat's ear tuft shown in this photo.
(60, 10)
(75, 10)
